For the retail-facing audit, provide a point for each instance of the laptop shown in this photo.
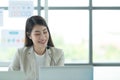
(82, 72)
(12, 75)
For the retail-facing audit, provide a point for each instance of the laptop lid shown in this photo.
(12, 75)
(83, 72)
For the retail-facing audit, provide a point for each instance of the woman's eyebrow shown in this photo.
(37, 31)
(45, 29)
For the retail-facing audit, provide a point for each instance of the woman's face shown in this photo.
(39, 36)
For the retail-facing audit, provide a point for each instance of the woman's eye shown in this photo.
(45, 32)
(37, 34)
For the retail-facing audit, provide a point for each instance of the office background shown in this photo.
(87, 30)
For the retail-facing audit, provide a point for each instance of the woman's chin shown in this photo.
(43, 45)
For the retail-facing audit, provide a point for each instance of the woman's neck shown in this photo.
(39, 50)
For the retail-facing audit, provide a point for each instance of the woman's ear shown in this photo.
(28, 34)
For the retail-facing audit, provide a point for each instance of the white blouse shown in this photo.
(40, 59)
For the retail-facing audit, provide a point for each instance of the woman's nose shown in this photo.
(42, 36)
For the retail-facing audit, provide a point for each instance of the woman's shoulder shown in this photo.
(57, 54)
(56, 51)
(23, 50)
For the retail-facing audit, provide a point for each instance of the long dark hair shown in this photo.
(30, 23)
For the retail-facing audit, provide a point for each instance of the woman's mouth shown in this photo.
(42, 42)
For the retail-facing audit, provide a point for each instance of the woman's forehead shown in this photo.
(39, 28)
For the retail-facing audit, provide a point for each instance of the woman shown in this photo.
(39, 50)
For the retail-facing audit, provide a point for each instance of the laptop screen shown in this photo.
(12, 75)
(83, 72)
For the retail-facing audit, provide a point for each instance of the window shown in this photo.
(68, 3)
(71, 33)
(106, 2)
(106, 36)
